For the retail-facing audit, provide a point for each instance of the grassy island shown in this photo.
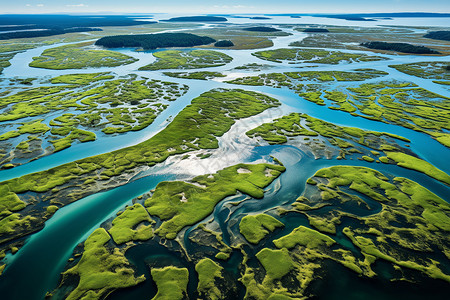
(179, 204)
(255, 228)
(318, 56)
(154, 41)
(194, 59)
(79, 56)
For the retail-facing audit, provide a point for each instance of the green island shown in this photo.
(79, 56)
(318, 56)
(290, 79)
(101, 269)
(154, 41)
(393, 102)
(255, 228)
(216, 111)
(201, 75)
(171, 282)
(87, 102)
(179, 204)
(429, 70)
(194, 59)
(209, 273)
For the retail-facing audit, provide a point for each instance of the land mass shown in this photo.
(154, 41)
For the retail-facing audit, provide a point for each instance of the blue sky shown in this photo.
(223, 6)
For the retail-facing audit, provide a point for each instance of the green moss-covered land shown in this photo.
(215, 111)
(255, 228)
(130, 225)
(209, 272)
(318, 56)
(400, 103)
(201, 75)
(429, 70)
(171, 282)
(179, 204)
(194, 59)
(83, 103)
(101, 269)
(325, 139)
(293, 79)
(79, 56)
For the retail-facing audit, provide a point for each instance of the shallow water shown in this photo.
(35, 269)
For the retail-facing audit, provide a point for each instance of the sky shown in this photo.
(223, 6)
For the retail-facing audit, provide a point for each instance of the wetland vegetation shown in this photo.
(193, 59)
(79, 56)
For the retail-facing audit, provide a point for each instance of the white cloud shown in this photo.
(39, 5)
(28, 5)
(77, 5)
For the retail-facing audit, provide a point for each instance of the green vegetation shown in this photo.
(79, 56)
(179, 204)
(261, 29)
(194, 59)
(318, 56)
(304, 236)
(224, 44)
(255, 228)
(399, 103)
(203, 75)
(438, 35)
(427, 70)
(208, 273)
(171, 282)
(81, 78)
(400, 47)
(277, 263)
(215, 110)
(411, 219)
(414, 163)
(348, 140)
(154, 41)
(293, 79)
(133, 217)
(98, 101)
(101, 270)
